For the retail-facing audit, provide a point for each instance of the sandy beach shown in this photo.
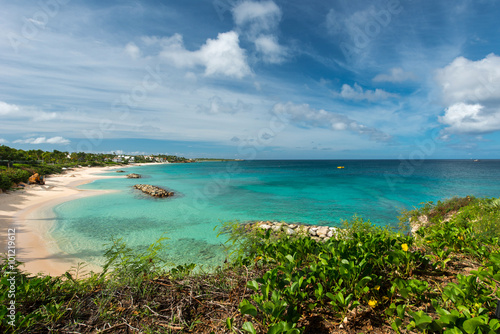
(28, 212)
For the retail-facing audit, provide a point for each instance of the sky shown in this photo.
(282, 79)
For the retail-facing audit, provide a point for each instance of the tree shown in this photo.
(11, 155)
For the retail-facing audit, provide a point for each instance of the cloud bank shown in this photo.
(471, 92)
(357, 93)
(43, 140)
(304, 115)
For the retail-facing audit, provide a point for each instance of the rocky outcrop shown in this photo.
(120, 171)
(134, 176)
(153, 190)
(318, 233)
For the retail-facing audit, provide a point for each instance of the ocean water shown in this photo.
(209, 193)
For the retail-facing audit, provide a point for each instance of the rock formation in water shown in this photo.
(153, 190)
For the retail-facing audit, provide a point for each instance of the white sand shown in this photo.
(29, 212)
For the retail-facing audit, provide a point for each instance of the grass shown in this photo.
(443, 279)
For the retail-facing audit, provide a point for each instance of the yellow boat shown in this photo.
(340, 167)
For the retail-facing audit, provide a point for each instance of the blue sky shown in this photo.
(394, 79)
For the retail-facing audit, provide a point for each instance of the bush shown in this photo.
(18, 175)
(48, 169)
(10, 176)
(5, 181)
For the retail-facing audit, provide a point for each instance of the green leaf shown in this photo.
(248, 309)
(293, 331)
(295, 287)
(229, 323)
(453, 330)
(470, 325)
(248, 327)
(494, 324)
(396, 324)
(330, 295)
(253, 285)
(276, 329)
(448, 319)
(422, 320)
(268, 307)
(290, 258)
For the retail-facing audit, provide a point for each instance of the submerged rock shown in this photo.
(134, 176)
(153, 190)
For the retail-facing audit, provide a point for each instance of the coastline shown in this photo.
(29, 212)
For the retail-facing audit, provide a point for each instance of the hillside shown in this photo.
(444, 279)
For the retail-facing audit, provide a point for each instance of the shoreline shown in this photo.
(30, 212)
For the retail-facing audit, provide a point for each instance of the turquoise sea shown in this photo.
(208, 193)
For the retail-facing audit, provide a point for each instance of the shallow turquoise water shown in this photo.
(313, 192)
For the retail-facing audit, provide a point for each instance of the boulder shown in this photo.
(134, 176)
(153, 190)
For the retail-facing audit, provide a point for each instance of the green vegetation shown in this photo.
(444, 279)
(17, 165)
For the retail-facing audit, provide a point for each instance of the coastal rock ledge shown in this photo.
(134, 176)
(153, 190)
(318, 233)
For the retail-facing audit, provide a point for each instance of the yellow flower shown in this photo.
(404, 247)
(372, 303)
(377, 287)
(460, 237)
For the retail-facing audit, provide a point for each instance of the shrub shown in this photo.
(18, 175)
(5, 181)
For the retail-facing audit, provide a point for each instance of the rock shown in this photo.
(415, 225)
(317, 233)
(120, 171)
(322, 231)
(276, 228)
(134, 176)
(153, 190)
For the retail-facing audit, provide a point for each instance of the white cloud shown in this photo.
(3, 141)
(470, 81)
(224, 56)
(471, 92)
(470, 118)
(43, 140)
(221, 56)
(259, 15)
(396, 74)
(218, 106)
(357, 93)
(44, 116)
(133, 50)
(6, 108)
(304, 115)
(259, 21)
(271, 51)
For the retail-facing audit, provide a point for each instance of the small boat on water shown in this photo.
(340, 167)
(476, 160)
